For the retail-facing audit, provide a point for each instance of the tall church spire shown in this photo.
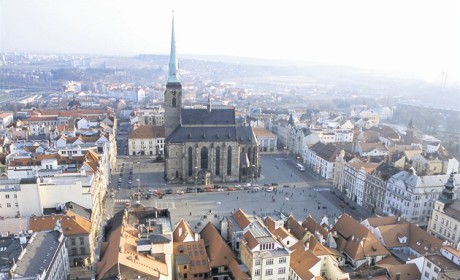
(173, 66)
(447, 195)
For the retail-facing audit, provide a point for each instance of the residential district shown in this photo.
(106, 179)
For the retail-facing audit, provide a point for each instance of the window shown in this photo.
(282, 260)
(8, 205)
(82, 240)
(257, 262)
(15, 196)
(257, 272)
(204, 158)
(218, 160)
(229, 160)
(269, 261)
(268, 272)
(190, 161)
(428, 264)
(7, 196)
(427, 275)
(436, 270)
(74, 251)
(281, 270)
(72, 241)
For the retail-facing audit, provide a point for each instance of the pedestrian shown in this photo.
(190, 213)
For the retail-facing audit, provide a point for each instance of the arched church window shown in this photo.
(190, 161)
(218, 160)
(204, 158)
(174, 102)
(229, 160)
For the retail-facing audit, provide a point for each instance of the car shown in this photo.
(179, 192)
(269, 189)
(285, 186)
(217, 186)
(274, 184)
(189, 190)
(255, 189)
(200, 190)
(220, 189)
(230, 189)
(353, 207)
(266, 185)
(168, 191)
(247, 188)
(208, 189)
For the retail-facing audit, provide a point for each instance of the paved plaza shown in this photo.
(305, 194)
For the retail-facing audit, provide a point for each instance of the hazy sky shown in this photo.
(410, 37)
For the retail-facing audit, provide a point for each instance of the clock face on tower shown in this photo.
(173, 92)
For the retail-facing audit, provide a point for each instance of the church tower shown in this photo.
(409, 138)
(173, 93)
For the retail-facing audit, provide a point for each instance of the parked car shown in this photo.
(220, 189)
(269, 189)
(168, 191)
(230, 189)
(200, 190)
(189, 190)
(179, 192)
(217, 186)
(285, 186)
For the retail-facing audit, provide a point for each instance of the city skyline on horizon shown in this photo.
(410, 46)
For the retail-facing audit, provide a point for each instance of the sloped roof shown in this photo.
(148, 132)
(302, 261)
(121, 248)
(295, 228)
(71, 223)
(327, 152)
(367, 147)
(241, 218)
(278, 232)
(237, 272)
(216, 116)
(356, 240)
(218, 251)
(407, 271)
(185, 231)
(312, 225)
(263, 132)
(250, 239)
(376, 221)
